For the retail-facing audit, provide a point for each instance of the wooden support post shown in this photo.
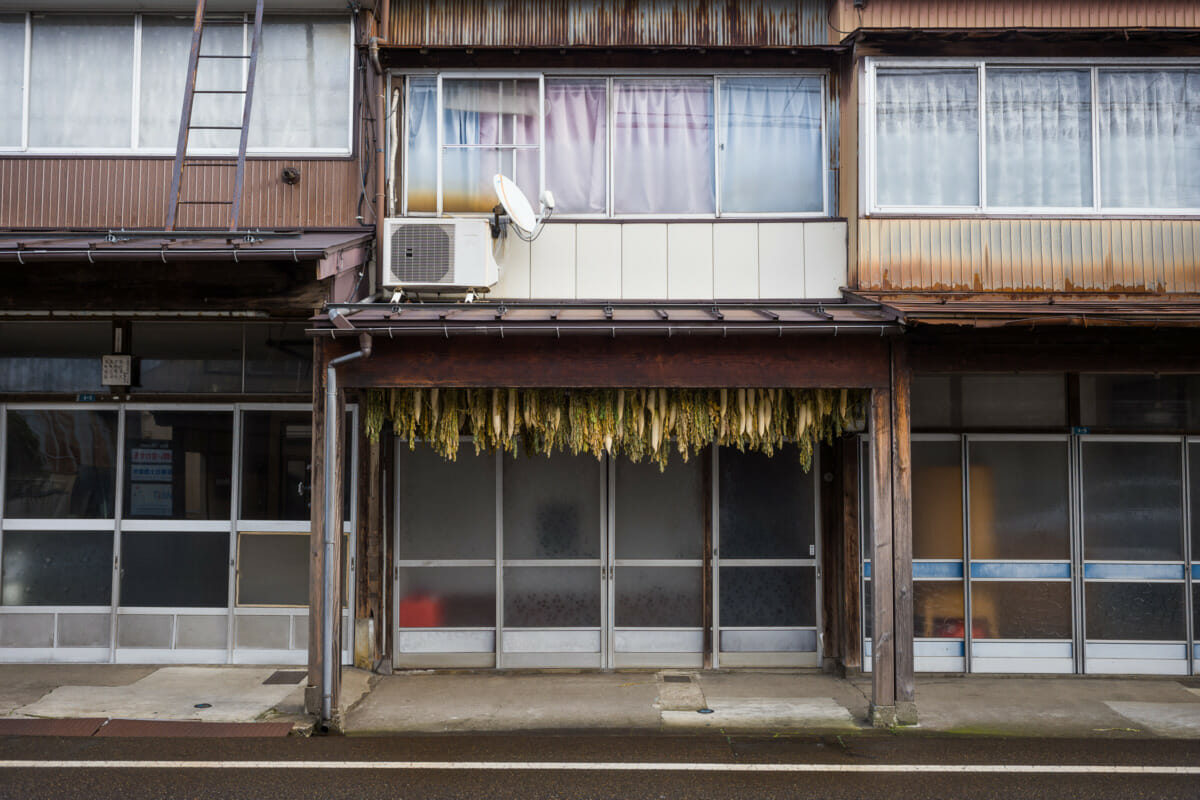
(902, 582)
(883, 654)
(832, 613)
(316, 558)
(851, 561)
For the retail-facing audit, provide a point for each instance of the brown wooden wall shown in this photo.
(1014, 14)
(48, 192)
(1028, 255)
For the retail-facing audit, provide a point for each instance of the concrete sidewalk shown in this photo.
(671, 701)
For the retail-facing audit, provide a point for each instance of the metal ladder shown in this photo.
(186, 127)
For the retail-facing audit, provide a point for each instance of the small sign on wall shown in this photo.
(116, 370)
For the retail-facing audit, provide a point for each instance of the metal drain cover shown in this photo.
(677, 679)
(286, 676)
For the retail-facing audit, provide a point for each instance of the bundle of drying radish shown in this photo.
(640, 423)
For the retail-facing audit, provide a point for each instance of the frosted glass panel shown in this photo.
(1132, 501)
(272, 569)
(555, 597)
(447, 508)
(768, 597)
(552, 507)
(54, 356)
(666, 597)
(1021, 610)
(420, 170)
(447, 597)
(1194, 474)
(12, 78)
(70, 568)
(60, 464)
(1014, 401)
(1135, 611)
(1019, 497)
(660, 514)
(1140, 402)
(937, 499)
(81, 81)
(938, 609)
(174, 569)
(766, 505)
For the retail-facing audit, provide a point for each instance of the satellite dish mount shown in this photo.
(516, 206)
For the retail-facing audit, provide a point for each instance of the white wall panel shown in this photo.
(690, 261)
(824, 260)
(781, 260)
(644, 261)
(598, 262)
(513, 259)
(552, 263)
(735, 261)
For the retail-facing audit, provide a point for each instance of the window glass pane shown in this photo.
(660, 513)
(777, 597)
(60, 464)
(272, 569)
(1021, 610)
(919, 113)
(483, 123)
(663, 147)
(447, 597)
(81, 81)
(662, 597)
(1140, 402)
(937, 499)
(166, 45)
(278, 359)
(52, 357)
(178, 464)
(1194, 476)
(420, 168)
(771, 145)
(1132, 501)
(302, 84)
(186, 357)
(12, 78)
(57, 568)
(561, 597)
(868, 610)
(576, 139)
(552, 506)
(1039, 137)
(1135, 611)
(766, 505)
(1014, 401)
(447, 508)
(1150, 138)
(1019, 499)
(277, 465)
(184, 570)
(938, 609)
(936, 402)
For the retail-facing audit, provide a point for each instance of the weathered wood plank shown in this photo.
(851, 561)
(902, 591)
(883, 666)
(832, 613)
(316, 563)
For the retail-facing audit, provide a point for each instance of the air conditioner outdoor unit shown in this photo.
(438, 254)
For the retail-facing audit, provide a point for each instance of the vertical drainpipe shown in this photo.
(330, 604)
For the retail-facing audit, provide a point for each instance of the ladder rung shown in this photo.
(205, 55)
(214, 127)
(218, 91)
(205, 202)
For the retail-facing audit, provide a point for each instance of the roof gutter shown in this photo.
(558, 331)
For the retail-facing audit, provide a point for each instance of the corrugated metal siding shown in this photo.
(1029, 255)
(1017, 14)
(132, 193)
(607, 23)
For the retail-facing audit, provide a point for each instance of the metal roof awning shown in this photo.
(581, 318)
(1007, 311)
(334, 250)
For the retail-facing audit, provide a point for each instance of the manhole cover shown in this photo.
(676, 679)
(290, 676)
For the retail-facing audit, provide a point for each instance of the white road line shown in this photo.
(602, 766)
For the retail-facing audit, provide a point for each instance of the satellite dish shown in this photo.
(515, 203)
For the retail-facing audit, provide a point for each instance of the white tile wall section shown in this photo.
(513, 260)
(643, 261)
(676, 261)
(598, 262)
(781, 260)
(552, 263)
(690, 261)
(735, 261)
(824, 260)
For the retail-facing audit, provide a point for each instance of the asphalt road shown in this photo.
(590, 766)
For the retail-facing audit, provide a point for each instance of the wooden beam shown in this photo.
(902, 582)
(316, 556)
(832, 613)
(596, 361)
(883, 655)
(851, 561)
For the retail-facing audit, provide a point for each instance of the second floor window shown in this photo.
(114, 84)
(619, 146)
(1012, 137)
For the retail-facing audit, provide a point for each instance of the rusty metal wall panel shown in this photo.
(132, 193)
(1016, 14)
(1029, 255)
(607, 23)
